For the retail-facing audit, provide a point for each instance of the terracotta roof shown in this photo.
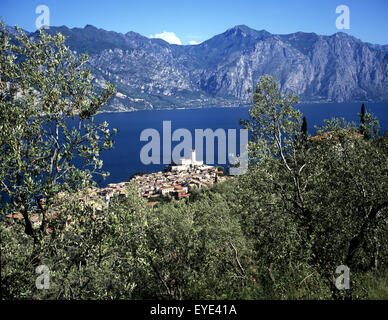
(16, 215)
(336, 135)
(152, 203)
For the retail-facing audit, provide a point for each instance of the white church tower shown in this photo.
(193, 157)
(194, 161)
(186, 163)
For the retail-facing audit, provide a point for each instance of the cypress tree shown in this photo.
(304, 133)
(363, 130)
(304, 127)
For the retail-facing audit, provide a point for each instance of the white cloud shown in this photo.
(193, 42)
(170, 37)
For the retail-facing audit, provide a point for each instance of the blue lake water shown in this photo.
(124, 159)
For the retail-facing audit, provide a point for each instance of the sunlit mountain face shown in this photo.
(153, 74)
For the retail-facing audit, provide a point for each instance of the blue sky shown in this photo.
(199, 20)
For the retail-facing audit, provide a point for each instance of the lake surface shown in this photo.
(124, 159)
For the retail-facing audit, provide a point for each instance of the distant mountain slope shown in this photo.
(152, 74)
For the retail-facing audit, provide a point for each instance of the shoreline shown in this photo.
(232, 107)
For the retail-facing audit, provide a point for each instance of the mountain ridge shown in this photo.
(221, 71)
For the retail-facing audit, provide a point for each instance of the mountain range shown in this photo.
(222, 71)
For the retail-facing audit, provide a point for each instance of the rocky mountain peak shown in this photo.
(151, 73)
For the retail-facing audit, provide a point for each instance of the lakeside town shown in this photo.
(176, 181)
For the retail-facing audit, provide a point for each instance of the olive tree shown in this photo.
(324, 205)
(49, 139)
(275, 128)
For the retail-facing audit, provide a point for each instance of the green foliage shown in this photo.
(89, 256)
(273, 121)
(199, 248)
(323, 207)
(369, 125)
(376, 285)
(49, 140)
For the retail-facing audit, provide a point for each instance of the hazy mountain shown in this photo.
(13, 31)
(150, 73)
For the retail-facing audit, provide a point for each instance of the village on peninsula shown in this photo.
(176, 181)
